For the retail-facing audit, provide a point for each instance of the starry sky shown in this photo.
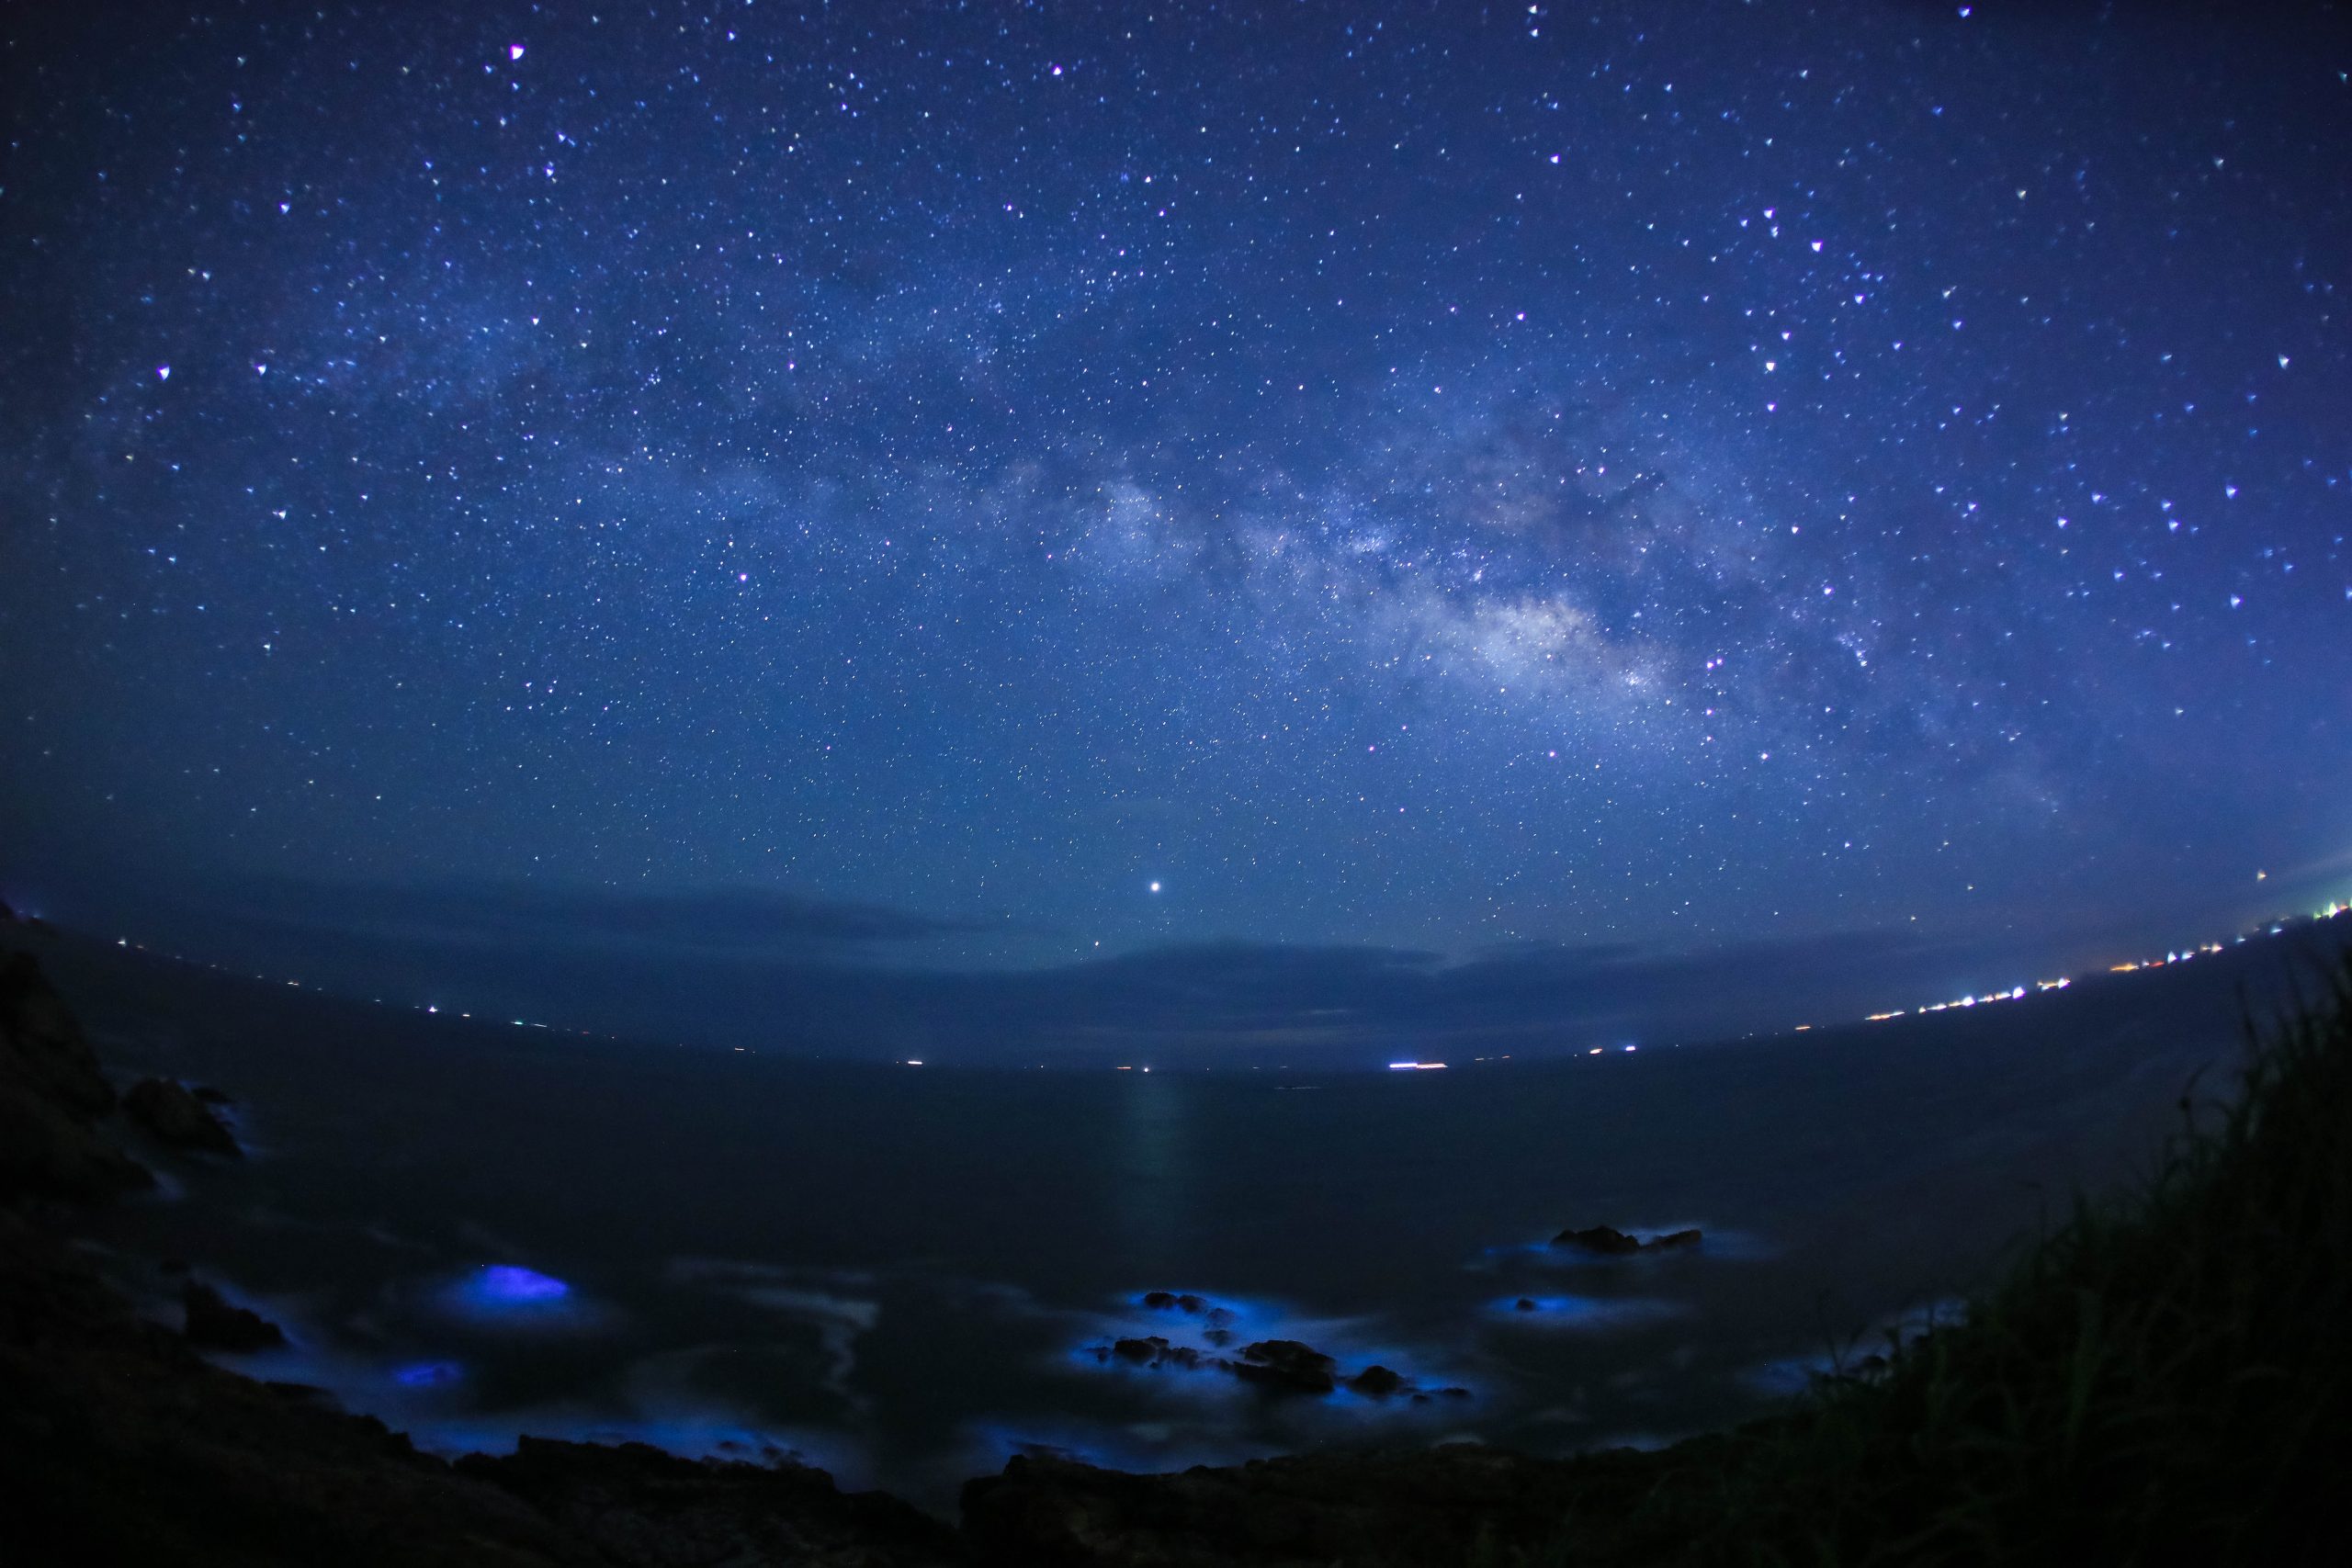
(1010, 486)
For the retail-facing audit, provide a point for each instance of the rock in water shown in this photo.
(1376, 1381)
(1162, 1301)
(1598, 1239)
(1287, 1364)
(173, 1116)
(1614, 1242)
(214, 1323)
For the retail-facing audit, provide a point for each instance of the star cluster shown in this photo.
(1115, 475)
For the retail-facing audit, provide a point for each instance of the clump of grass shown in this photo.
(2164, 1378)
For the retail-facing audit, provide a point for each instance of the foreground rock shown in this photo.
(119, 1443)
(640, 1504)
(46, 1047)
(1364, 1510)
(215, 1323)
(53, 1099)
(174, 1114)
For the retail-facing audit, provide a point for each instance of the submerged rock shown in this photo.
(1677, 1238)
(172, 1115)
(215, 1323)
(1376, 1381)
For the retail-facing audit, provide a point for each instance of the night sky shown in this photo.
(1014, 485)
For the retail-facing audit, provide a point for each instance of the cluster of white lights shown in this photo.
(434, 1008)
(2016, 993)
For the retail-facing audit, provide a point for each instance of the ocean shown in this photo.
(907, 1274)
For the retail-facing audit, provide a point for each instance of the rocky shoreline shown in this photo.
(120, 1442)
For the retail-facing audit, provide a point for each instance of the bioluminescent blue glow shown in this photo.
(511, 1294)
(511, 1282)
(428, 1374)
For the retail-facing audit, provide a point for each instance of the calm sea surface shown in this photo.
(908, 1274)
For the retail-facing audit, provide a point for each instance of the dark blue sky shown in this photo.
(1411, 477)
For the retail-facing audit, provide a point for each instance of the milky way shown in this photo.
(1393, 475)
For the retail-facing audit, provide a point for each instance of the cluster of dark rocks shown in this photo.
(1611, 1242)
(1217, 1321)
(1280, 1366)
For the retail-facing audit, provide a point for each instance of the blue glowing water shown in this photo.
(510, 1284)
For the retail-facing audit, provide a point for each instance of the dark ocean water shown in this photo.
(904, 1274)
